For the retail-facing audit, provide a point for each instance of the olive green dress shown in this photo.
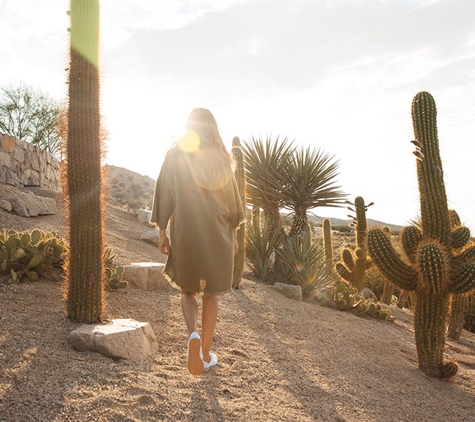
(201, 201)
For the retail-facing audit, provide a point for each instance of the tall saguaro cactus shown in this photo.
(83, 174)
(327, 244)
(241, 231)
(353, 268)
(438, 265)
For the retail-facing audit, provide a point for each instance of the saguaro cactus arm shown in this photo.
(389, 263)
(464, 280)
(411, 237)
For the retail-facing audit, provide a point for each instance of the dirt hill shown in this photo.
(279, 360)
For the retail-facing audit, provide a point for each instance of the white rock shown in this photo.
(27, 204)
(146, 275)
(151, 237)
(119, 339)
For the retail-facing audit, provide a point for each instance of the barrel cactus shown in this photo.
(352, 267)
(437, 265)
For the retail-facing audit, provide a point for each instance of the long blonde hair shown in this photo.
(211, 165)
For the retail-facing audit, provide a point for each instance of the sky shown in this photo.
(334, 75)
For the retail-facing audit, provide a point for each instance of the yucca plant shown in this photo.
(266, 162)
(309, 182)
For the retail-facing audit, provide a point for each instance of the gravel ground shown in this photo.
(279, 360)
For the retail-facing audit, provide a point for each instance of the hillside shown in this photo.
(131, 190)
(279, 360)
(128, 189)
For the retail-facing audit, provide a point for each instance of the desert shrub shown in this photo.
(134, 204)
(343, 229)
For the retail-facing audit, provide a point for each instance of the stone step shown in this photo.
(146, 275)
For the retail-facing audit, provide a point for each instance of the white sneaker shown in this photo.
(213, 360)
(194, 355)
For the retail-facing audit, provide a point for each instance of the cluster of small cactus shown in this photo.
(438, 265)
(352, 267)
(32, 254)
(346, 298)
(113, 274)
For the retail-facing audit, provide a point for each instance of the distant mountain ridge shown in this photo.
(345, 222)
(129, 188)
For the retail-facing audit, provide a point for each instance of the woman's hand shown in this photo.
(236, 245)
(164, 242)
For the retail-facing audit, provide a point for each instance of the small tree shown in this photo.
(32, 116)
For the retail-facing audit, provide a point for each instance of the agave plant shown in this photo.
(304, 263)
(260, 245)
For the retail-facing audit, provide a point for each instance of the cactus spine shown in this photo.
(354, 266)
(83, 174)
(241, 231)
(436, 267)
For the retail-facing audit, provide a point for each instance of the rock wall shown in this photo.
(25, 164)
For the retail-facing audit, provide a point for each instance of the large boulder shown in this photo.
(118, 339)
(288, 290)
(27, 204)
(151, 237)
(146, 275)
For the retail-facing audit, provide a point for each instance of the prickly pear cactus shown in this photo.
(114, 281)
(346, 298)
(352, 267)
(241, 231)
(31, 255)
(437, 264)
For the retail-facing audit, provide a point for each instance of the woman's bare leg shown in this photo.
(189, 307)
(208, 323)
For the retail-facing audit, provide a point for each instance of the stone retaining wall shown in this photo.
(25, 164)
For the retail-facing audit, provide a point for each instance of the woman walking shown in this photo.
(196, 193)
